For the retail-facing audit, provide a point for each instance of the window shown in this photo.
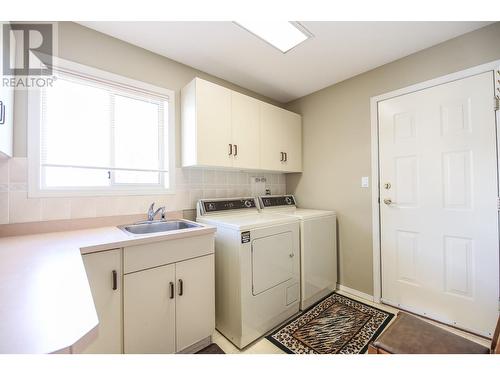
(94, 133)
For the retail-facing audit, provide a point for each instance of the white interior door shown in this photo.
(438, 211)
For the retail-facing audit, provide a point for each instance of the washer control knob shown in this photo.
(248, 203)
(288, 200)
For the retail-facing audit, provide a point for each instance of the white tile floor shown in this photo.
(263, 346)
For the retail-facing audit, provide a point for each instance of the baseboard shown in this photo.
(197, 346)
(355, 292)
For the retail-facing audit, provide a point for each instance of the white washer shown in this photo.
(257, 275)
(318, 246)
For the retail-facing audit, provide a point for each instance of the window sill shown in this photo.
(60, 193)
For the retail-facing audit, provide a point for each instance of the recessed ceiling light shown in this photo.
(284, 35)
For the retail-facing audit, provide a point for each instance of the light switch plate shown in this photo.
(365, 182)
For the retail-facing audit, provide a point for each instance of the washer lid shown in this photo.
(305, 213)
(248, 221)
(286, 204)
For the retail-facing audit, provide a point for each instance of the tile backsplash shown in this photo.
(190, 185)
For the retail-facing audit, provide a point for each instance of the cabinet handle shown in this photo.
(282, 156)
(181, 287)
(114, 275)
(286, 156)
(171, 286)
(230, 149)
(235, 150)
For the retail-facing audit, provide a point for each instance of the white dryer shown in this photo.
(257, 272)
(318, 246)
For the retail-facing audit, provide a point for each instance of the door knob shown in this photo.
(388, 201)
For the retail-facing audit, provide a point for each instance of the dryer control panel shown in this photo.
(227, 204)
(277, 200)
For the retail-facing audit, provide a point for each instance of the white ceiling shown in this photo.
(337, 51)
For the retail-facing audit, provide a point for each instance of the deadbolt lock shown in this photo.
(387, 185)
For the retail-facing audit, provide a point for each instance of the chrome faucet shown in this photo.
(152, 213)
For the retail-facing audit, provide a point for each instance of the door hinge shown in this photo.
(498, 203)
(497, 103)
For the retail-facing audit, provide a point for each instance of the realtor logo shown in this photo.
(2, 113)
(27, 49)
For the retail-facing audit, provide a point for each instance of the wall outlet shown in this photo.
(258, 186)
(365, 182)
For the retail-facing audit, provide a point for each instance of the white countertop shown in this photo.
(45, 300)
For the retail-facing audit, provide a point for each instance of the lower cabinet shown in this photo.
(169, 308)
(104, 275)
(149, 311)
(151, 299)
(195, 300)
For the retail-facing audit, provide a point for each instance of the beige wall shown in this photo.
(89, 47)
(336, 141)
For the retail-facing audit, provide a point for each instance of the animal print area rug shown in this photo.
(335, 325)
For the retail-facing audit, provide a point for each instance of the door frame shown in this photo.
(375, 167)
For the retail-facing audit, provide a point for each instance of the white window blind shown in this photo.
(97, 134)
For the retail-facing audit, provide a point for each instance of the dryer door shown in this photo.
(272, 261)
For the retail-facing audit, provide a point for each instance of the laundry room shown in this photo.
(226, 184)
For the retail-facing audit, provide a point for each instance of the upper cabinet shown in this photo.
(281, 141)
(206, 120)
(6, 105)
(6, 120)
(245, 135)
(223, 128)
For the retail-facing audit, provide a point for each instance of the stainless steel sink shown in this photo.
(147, 227)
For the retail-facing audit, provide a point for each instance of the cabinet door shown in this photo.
(272, 144)
(245, 121)
(106, 290)
(6, 119)
(149, 311)
(293, 142)
(213, 124)
(195, 300)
